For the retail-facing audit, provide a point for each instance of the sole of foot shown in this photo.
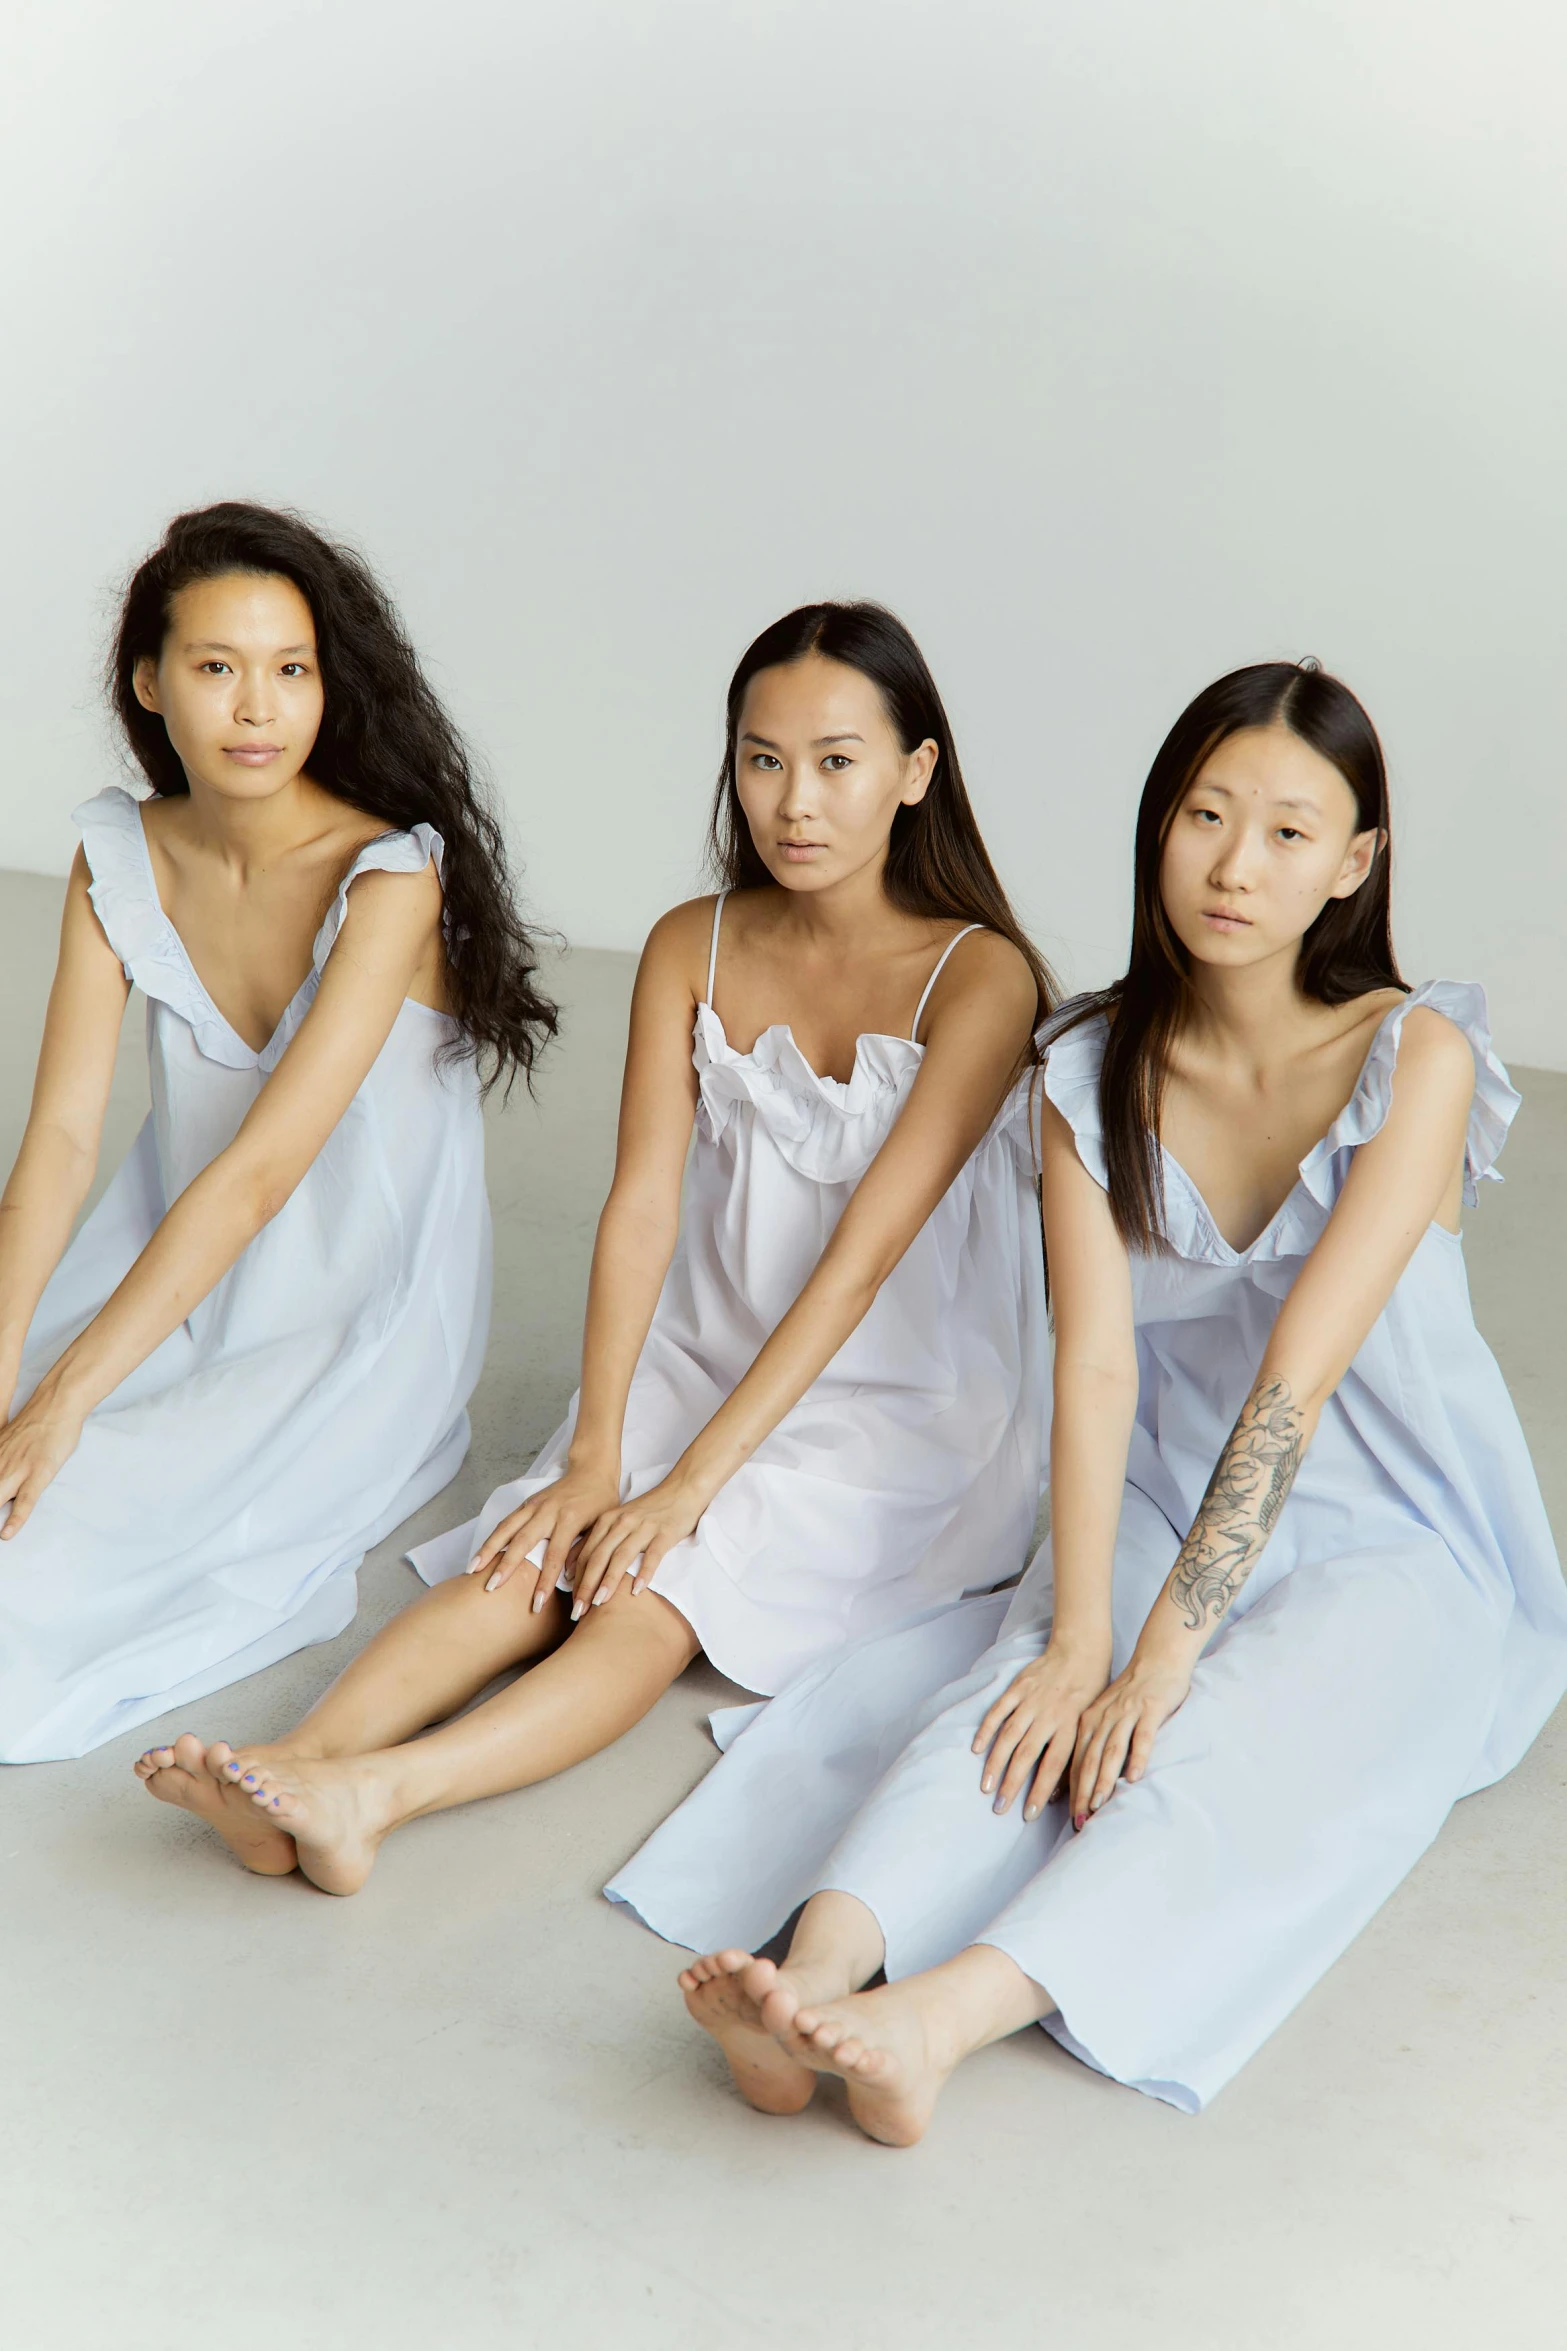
(878, 2045)
(720, 1995)
(180, 1775)
(324, 1806)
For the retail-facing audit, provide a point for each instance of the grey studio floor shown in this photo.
(466, 2108)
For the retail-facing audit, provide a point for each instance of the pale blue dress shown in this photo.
(214, 1514)
(1399, 1644)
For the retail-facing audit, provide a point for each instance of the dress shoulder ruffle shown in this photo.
(1495, 1104)
(1071, 1077)
(125, 899)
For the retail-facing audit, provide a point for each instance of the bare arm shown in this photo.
(1398, 1182)
(977, 1033)
(1029, 1734)
(392, 919)
(637, 1231)
(59, 1154)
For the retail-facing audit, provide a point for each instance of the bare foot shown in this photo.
(882, 2044)
(181, 1775)
(720, 1993)
(332, 1808)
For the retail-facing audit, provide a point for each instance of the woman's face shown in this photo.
(1266, 835)
(821, 773)
(237, 683)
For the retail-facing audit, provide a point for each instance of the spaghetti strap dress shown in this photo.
(909, 1472)
(213, 1516)
(1401, 1641)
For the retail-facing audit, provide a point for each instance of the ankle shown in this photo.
(979, 1997)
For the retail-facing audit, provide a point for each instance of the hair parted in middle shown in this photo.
(1347, 952)
(937, 862)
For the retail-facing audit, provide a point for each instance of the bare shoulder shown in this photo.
(1437, 1049)
(986, 971)
(406, 904)
(677, 945)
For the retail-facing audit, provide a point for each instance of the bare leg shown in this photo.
(432, 1658)
(895, 2047)
(180, 1775)
(836, 1947)
(593, 1687)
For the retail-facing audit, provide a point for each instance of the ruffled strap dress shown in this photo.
(212, 1518)
(909, 1472)
(1400, 1643)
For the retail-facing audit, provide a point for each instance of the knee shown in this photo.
(646, 1618)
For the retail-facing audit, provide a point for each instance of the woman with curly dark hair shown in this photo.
(255, 1358)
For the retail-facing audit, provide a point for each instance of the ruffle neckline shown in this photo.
(1072, 1082)
(124, 893)
(829, 1129)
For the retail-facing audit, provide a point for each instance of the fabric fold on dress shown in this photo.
(909, 1472)
(214, 1514)
(1400, 1643)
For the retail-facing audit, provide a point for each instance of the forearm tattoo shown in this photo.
(1241, 1507)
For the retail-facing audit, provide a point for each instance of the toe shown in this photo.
(189, 1753)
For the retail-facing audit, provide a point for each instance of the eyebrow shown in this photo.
(213, 645)
(767, 745)
(1223, 792)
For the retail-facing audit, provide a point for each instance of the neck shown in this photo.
(846, 913)
(1256, 1015)
(254, 832)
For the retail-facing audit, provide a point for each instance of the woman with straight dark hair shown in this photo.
(254, 1360)
(1299, 1593)
(811, 1401)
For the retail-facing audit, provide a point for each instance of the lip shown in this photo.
(253, 754)
(796, 850)
(1222, 919)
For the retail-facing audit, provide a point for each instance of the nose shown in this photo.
(253, 702)
(795, 804)
(1234, 864)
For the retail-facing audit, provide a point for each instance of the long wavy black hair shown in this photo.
(385, 746)
(937, 863)
(1347, 952)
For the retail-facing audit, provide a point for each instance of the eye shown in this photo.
(765, 761)
(1206, 816)
(836, 761)
(1289, 832)
(294, 669)
(214, 668)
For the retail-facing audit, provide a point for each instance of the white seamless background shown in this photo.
(1113, 345)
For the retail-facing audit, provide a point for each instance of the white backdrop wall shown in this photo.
(1113, 343)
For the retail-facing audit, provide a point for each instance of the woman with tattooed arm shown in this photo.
(1300, 1593)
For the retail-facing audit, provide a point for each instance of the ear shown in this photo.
(144, 682)
(1362, 854)
(922, 766)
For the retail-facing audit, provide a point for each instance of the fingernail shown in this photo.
(986, 1786)
(492, 1582)
(576, 1610)
(538, 1602)
(1031, 1812)
(599, 1595)
(1078, 1819)
(999, 1805)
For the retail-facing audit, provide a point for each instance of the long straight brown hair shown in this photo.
(1347, 952)
(937, 863)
